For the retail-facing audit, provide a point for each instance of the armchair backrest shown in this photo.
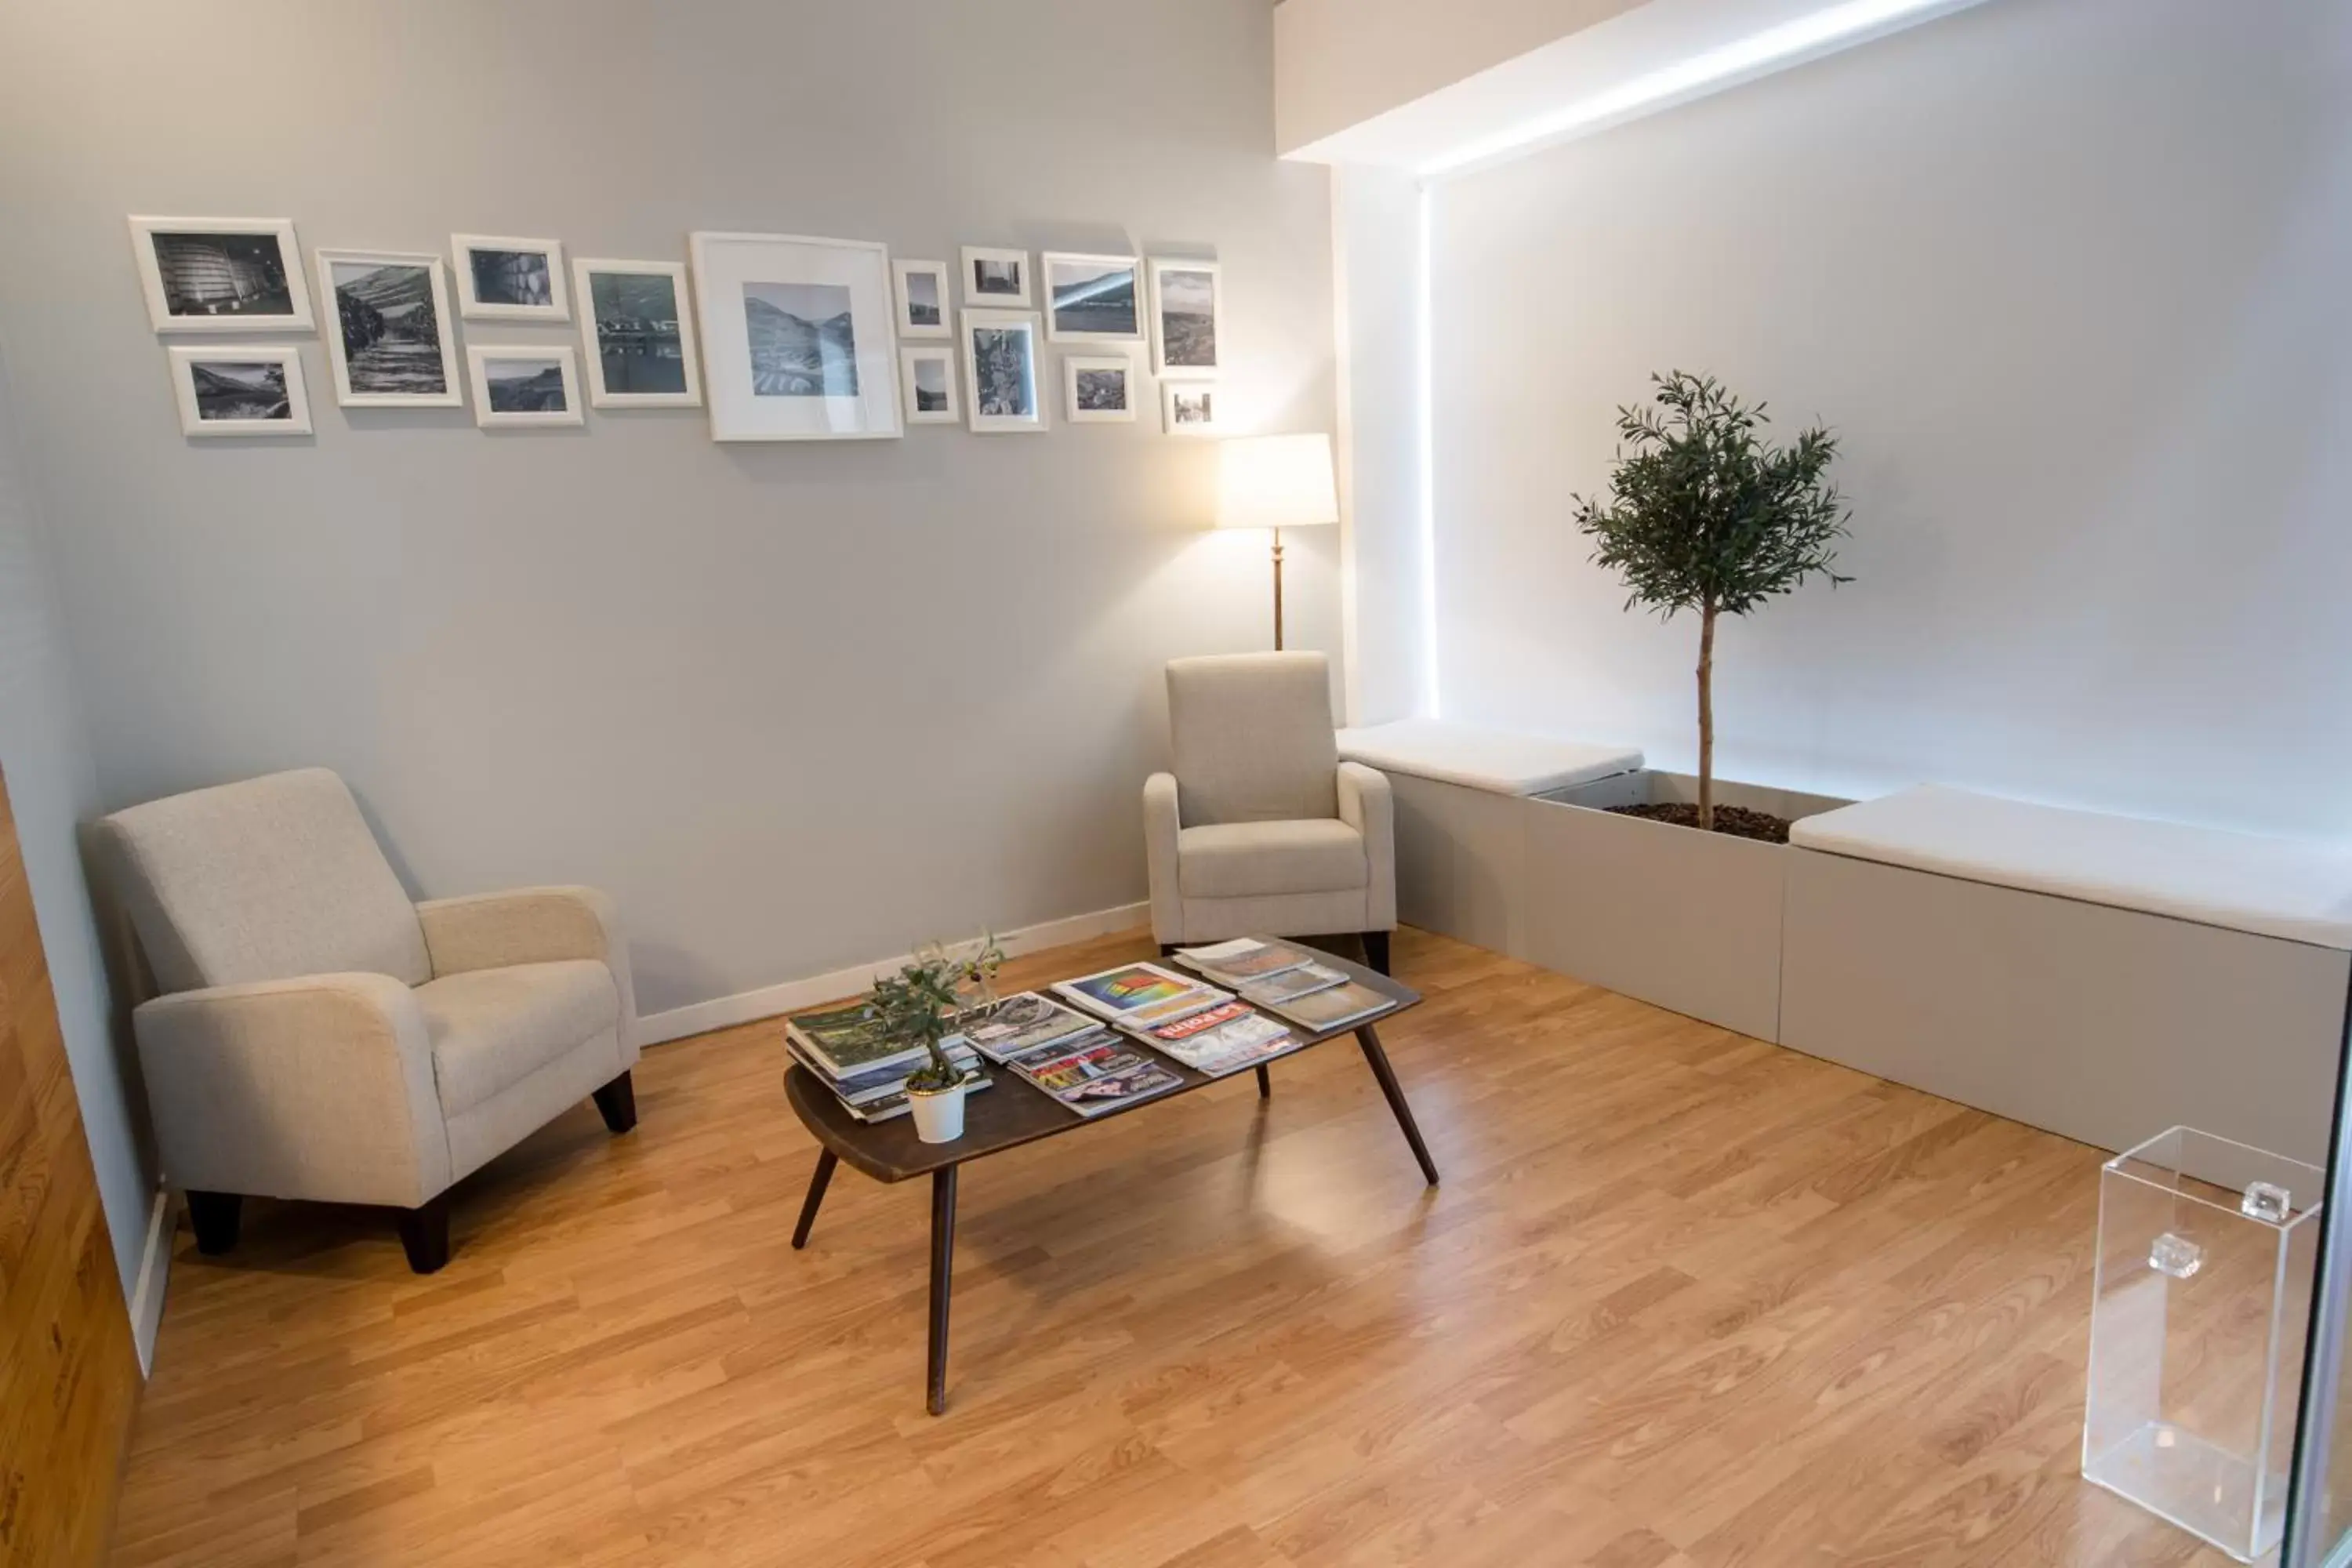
(1253, 739)
(267, 879)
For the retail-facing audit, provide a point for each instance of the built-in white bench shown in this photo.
(2100, 977)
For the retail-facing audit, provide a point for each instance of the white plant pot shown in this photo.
(939, 1113)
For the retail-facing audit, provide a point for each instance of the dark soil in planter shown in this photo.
(1735, 820)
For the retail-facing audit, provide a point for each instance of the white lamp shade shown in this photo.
(1276, 481)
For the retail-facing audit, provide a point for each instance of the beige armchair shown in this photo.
(320, 1036)
(1262, 828)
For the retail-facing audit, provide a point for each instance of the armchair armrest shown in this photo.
(532, 925)
(1368, 805)
(319, 1088)
(1160, 829)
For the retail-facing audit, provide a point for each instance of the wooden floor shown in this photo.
(1683, 1299)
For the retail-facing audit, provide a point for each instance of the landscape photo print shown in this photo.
(220, 275)
(1186, 317)
(1001, 371)
(249, 389)
(640, 345)
(1092, 299)
(797, 340)
(390, 341)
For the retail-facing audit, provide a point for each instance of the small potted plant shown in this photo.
(919, 1005)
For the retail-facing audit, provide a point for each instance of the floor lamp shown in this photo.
(1276, 482)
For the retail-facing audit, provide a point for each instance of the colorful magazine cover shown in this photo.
(1101, 1073)
(1017, 1023)
(1250, 1040)
(1140, 994)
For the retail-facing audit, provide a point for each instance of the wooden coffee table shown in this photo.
(1014, 1111)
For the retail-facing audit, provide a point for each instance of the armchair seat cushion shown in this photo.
(491, 1028)
(1259, 859)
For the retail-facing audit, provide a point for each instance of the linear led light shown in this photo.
(1815, 33)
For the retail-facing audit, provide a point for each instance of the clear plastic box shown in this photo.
(2202, 1299)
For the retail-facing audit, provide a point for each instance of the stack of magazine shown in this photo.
(1066, 1054)
(846, 1053)
(1287, 981)
(1206, 1029)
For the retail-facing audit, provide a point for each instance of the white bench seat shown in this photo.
(1501, 761)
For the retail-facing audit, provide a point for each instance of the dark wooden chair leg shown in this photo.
(1265, 1085)
(943, 1207)
(1379, 1059)
(1167, 950)
(214, 1217)
(818, 1179)
(618, 1102)
(425, 1235)
(1376, 950)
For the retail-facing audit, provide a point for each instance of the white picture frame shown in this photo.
(993, 385)
(510, 383)
(995, 279)
(850, 391)
(926, 374)
(649, 338)
(920, 316)
(1188, 330)
(221, 274)
(240, 390)
(1190, 408)
(501, 278)
(1083, 387)
(386, 283)
(1092, 299)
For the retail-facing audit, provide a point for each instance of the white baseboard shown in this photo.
(155, 1273)
(771, 1001)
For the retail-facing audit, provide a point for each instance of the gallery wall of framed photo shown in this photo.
(783, 337)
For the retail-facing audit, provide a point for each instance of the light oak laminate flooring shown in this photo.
(1684, 1298)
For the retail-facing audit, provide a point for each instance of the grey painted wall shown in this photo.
(796, 706)
(2069, 278)
(52, 784)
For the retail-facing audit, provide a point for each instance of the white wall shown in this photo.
(45, 753)
(797, 707)
(2069, 279)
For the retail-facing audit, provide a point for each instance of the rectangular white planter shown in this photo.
(1462, 862)
(1688, 921)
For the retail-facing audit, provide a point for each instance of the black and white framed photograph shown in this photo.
(923, 295)
(996, 279)
(391, 343)
(797, 343)
(249, 390)
(221, 274)
(1000, 371)
(640, 344)
(523, 385)
(1092, 299)
(1187, 317)
(1187, 409)
(510, 279)
(1099, 389)
(927, 376)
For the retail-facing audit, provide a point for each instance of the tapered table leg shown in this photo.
(818, 1179)
(1265, 1085)
(943, 1207)
(1378, 1058)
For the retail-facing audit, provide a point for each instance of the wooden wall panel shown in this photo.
(67, 1374)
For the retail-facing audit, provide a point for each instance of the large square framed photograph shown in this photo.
(1001, 380)
(995, 279)
(796, 337)
(928, 373)
(221, 274)
(523, 385)
(1099, 389)
(501, 279)
(249, 390)
(390, 343)
(924, 298)
(640, 343)
(1092, 299)
(1187, 317)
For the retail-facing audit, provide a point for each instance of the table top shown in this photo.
(1011, 1110)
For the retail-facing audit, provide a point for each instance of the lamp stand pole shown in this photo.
(1278, 590)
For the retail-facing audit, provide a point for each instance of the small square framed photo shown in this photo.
(927, 376)
(1092, 299)
(390, 341)
(1187, 317)
(998, 279)
(510, 279)
(1000, 371)
(923, 298)
(249, 389)
(221, 274)
(1187, 409)
(523, 386)
(640, 343)
(1099, 389)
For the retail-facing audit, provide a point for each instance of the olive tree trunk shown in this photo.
(1706, 718)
